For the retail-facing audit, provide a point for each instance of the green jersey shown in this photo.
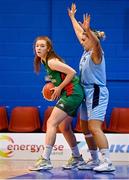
(71, 96)
(57, 77)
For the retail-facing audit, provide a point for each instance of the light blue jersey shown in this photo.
(92, 73)
(93, 80)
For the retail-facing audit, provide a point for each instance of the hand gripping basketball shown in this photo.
(47, 92)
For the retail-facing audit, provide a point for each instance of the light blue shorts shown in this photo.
(95, 104)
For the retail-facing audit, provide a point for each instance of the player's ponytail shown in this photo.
(100, 34)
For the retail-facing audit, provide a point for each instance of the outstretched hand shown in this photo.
(72, 11)
(86, 22)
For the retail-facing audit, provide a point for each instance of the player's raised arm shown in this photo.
(76, 26)
(91, 40)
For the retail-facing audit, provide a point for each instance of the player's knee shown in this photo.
(51, 124)
(94, 130)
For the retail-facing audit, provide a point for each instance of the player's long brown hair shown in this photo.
(51, 54)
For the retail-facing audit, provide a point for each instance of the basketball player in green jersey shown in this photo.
(69, 93)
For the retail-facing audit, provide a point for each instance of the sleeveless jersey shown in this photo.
(57, 77)
(91, 73)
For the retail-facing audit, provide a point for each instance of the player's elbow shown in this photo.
(73, 72)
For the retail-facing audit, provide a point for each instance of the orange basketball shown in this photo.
(47, 92)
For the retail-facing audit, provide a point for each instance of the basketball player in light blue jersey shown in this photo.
(93, 79)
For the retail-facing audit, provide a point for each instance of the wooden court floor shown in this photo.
(18, 169)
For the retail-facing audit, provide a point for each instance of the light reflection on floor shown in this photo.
(18, 170)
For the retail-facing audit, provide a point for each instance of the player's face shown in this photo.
(41, 48)
(85, 41)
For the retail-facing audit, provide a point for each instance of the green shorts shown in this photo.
(70, 104)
